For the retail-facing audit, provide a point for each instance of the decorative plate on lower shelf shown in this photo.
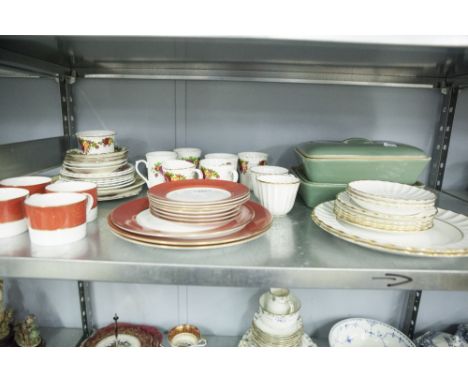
(129, 335)
(248, 341)
(448, 237)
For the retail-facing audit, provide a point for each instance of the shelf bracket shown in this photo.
(85, 308)
(66, 103)
(411, 313)
(442, 137)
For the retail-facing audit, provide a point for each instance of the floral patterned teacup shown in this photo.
(229, 159)
(189, 154)
(218, 169)
(247, 160)
(96, 141)
(153, 165)
(176, 169)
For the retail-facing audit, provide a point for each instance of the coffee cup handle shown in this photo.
(198, 172)
(89, 203)
(137, 163)
(235, 176)
(201, 342)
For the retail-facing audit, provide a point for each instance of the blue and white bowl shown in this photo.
(364, 332)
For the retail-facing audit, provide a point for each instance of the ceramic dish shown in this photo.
(351, 206)
(75, 155)
(313, 193)
(257, 227)
(128, 335)
(125, 170)
(134, 217)
(137, 184)
(122, 195)
(348, 160)
(366, 332)
(248, 340)
(447, 237)
(197, 192)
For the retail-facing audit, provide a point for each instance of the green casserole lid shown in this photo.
(358, 147)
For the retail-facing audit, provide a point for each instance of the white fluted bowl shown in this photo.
(277, 193)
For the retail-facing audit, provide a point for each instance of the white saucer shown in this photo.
(247, 340)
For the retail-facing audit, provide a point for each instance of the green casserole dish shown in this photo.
(315, 193)
(358, 158)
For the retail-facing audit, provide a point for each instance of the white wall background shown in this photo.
(229, 116)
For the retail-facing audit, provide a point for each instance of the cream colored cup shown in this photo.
(257, 171)
(153, 165)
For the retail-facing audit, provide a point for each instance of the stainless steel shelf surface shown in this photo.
(293, 253)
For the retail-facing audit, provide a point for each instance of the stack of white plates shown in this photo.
(386, 206)
(198, 203)
(111, 172)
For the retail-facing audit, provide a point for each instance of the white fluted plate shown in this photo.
(247, 340)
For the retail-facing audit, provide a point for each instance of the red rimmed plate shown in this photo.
(134, 217)
(198, 192)
(258, 226)
(129, 335)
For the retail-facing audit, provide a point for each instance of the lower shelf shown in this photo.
(70, 337)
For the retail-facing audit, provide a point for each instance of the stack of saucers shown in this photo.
(198, 205)
(111, 172)
(277, 322)
(386, 206)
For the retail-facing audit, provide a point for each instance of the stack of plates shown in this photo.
(408, 225)
(263, 338)
(113, 175)
(386, 206)
(135, 222)
(198, 204)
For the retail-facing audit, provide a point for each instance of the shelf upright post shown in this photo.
(66, 103)
(436, 176)
(85, 308)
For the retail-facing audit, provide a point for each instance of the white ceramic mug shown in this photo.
(218, 169)
(82, 188)
(153, 165)
(190, 154)
(247, 160)
(176, 169)
(57, 218)
(229, 159)
(12, 217)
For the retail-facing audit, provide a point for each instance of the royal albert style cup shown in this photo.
(82, 188)
(218, 169)
(153, 165)
(57, 218)
(190, 154)
(12, 217)
(94, 142)
(247, 160)
(176, 169)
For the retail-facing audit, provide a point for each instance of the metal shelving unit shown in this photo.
(295, 252)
